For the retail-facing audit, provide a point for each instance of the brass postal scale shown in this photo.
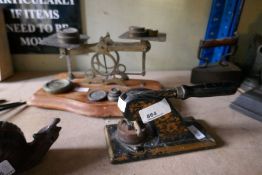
(152, 127)
(95, 92)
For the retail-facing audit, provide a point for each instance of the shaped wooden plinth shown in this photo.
(77, 102)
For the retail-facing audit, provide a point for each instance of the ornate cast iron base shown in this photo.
(160, 141)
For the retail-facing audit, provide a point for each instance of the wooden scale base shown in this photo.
(77, 102)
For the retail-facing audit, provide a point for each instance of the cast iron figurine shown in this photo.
(20, 154)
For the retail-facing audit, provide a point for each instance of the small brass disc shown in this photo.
(58, 86)
(97, 95)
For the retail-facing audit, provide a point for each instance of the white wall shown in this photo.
(184, 21)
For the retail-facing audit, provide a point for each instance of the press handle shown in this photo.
(206, 90)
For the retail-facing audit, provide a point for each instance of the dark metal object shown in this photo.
(223, 71)
(58, 86)
(169, 142)
(253, 62)
(250, 103)
(137, 32)
(67, 39)
(128, 134)
(257, 66)
(134, 96)
(97, 95)
(132, 139)
(248, 84)
(216, 73)
(161, 37)
(20, 154)
(136, 29)
(2, 101)
(252, 66)
(141, 32)
(69, 36)
(11, 105)
(206, 90)
(113, 94)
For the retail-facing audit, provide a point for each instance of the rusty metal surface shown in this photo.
(172, 137)
(161, 37)
(217, 73)
(128, 134)
(135, 31)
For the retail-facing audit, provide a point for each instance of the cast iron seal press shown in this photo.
(152, 127)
